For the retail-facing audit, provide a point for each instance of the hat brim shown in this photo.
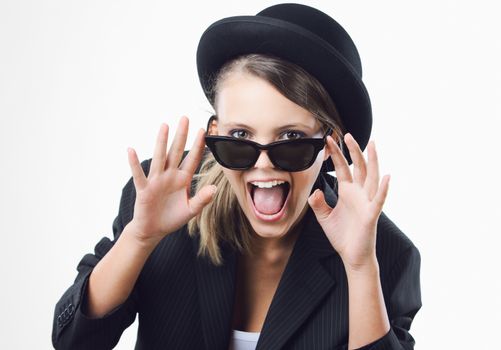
(234, 36)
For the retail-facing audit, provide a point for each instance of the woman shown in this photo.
(254, 245)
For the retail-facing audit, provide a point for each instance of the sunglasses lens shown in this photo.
(234, 154)
(293, 156)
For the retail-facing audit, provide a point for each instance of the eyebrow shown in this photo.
(283, 127)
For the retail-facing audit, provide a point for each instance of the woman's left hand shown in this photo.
(351, 225)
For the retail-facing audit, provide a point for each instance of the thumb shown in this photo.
(201, 199)
(319, 206)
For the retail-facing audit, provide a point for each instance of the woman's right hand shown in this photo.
(162, 202)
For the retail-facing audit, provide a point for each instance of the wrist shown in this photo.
(368, 266)
(132, 233)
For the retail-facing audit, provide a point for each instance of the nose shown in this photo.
(263, 161)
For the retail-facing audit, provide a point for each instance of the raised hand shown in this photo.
(162, 202)
(351, 225)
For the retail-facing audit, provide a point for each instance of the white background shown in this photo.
(80, 81)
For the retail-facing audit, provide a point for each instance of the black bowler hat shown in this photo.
(302, 35)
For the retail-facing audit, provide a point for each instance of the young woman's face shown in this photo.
(251, 108)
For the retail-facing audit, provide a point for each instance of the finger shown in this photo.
(382, 192)
(201, 199)
(159, 154)
(177, 148)
(192, 159)
(138, 176)
(372, 180)
(359, 165)
(340, 164)
(319, 205)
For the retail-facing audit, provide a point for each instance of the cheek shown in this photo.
(301, 189)
(235, 179)
(303, 181)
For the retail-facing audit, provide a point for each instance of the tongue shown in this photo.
(269, 200)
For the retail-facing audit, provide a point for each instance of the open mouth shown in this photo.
(269, 199)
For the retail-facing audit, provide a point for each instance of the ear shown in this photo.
(212, 126)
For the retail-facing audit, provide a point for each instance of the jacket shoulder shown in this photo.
(391, 242)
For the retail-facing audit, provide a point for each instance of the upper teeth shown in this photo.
(267, 184)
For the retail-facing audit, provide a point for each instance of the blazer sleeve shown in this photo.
(403, 302)
(71, 328)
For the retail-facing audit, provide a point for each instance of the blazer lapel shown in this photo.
(216, 295)
(304, 283)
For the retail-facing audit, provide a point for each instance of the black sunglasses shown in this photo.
(287, 155)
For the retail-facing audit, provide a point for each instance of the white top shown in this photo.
(243, 340)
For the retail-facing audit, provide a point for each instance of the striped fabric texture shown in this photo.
(184, 302)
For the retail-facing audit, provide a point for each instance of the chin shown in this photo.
(268, 231)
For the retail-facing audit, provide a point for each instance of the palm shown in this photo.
(165, 194)
(162, 202)
(351, 225)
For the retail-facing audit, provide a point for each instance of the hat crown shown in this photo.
(320, 24)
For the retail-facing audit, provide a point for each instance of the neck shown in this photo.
(276, 249)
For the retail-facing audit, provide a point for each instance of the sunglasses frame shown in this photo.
(317, 143)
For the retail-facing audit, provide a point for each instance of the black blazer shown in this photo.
(185, 302)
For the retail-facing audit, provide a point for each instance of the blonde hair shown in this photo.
(222, 220)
